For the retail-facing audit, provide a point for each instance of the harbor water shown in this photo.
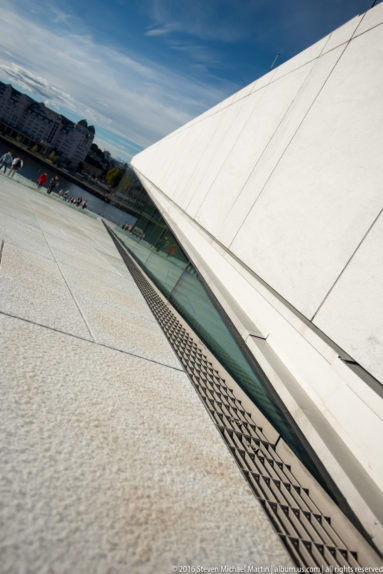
(32, 169)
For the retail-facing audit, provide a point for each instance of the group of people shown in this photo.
(53, 183)
(64, 194)
(78, 202)
(8, 162)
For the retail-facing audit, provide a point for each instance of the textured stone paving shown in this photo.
(109, 461)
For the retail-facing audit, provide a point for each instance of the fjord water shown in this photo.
(32, 168)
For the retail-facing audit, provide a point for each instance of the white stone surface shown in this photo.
(28, 236)
(187, 162)
(346, 306)
(254, 153)
(259, 173)
(32, 287)
(326, 191)
(163, 156)
(301, 59)
(230, 124)
(110, 463)
(259, 84)
(163, 159)
(371, 19)
(343, 34)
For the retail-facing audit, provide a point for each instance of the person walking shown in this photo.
(6, 161)
(16, 165)
(53, 183)
(42, 180)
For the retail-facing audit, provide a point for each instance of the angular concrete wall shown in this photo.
(276, 193)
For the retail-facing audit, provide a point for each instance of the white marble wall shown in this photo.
(276, 193)
(287, 174)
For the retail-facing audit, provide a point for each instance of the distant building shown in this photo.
(92, 167)
(72, 141)
(97, 160)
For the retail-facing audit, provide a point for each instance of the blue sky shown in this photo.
(138, 69)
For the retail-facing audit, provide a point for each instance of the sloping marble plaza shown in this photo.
(109, 461)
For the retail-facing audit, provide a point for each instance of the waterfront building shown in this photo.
(45, 126)
(275, 196)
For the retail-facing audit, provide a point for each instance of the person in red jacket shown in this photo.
(42, 180)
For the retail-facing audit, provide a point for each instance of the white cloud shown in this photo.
(200, 54)
(37, 85)
(223, 20)
(125, 94)
(163, 30)
(117, 151)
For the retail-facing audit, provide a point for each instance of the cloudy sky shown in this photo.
(138, 69)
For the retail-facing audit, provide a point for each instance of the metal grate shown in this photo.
(307, 532)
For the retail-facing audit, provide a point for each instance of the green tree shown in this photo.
(35, 148)
(125, 182)
(53, 157)
(19, 139)
(113, 177)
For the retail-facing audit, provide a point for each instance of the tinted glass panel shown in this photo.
(154, 246)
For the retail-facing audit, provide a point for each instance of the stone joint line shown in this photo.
(92, 342)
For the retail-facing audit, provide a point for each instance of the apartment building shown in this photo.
(71, 140)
